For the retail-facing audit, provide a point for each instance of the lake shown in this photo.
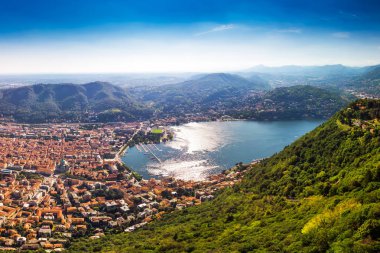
(201, 149)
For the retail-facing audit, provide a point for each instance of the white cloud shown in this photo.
(290, 30)
(341, 35)
(219, 28)
(348, 15)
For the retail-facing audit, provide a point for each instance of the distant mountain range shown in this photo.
(331, 75)
(213, 94)
(368, 83)
(317, 71)
(119, 79)
(372, 74)
(69, 102)
(216, 81)
(226, 94)
(295, 102)
(195, 94)
(205, 85)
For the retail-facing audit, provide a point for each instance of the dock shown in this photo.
(150, 151)
(156, 147)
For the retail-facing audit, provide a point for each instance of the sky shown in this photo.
(115, 36)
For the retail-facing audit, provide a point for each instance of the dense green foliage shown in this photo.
(373, 73)
(95, 101)
(369, 82)
(222, 94)
(295, 102)
(319, 194)
(213, 96)
(205, 92)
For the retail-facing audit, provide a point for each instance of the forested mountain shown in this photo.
(336, 76)
(316, 71)
(373, 73)
(212, 95)
(201, 88)
(70, 102)
(368, 83)
(199, 95)
(224, 94)
(217, 81)
(320, 194)
(295, 102)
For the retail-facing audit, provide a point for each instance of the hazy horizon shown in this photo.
(174, 73)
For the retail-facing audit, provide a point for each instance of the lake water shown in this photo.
(201, 149)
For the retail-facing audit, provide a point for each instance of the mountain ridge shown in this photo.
(49, 102)
(369, 82)
(218, 80)
(226, 94)
(321, 70)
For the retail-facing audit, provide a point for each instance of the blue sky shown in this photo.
(71, 36)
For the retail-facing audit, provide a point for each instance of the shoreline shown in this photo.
(139, 163)
(219, 119)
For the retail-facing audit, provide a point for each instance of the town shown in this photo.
(59, 182)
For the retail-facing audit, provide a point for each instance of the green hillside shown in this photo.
(221, 94)
(368, 83)
(215, 91)
(320, 194)
(295, 102)
(373, 73)
(70, 102)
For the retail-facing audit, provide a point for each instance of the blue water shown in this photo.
(201, 149)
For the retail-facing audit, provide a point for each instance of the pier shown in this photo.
(156, 147)
(158, 159)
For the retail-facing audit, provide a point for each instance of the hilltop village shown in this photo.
(59, 182)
